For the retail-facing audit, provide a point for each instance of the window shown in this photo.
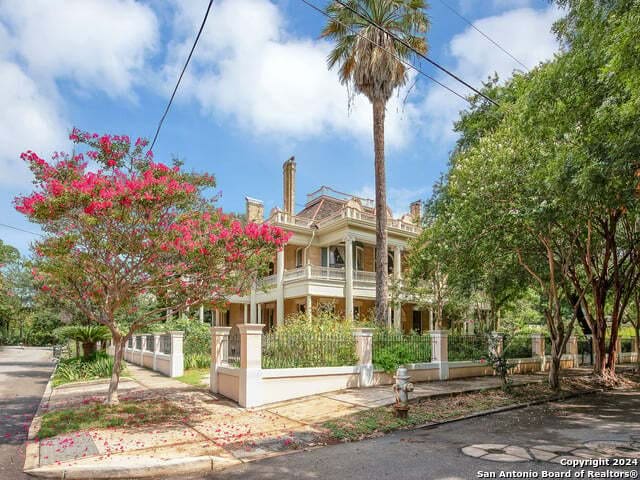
(272, 268)
(302, 308)
(356, 312)
(227, 318)
(327, 307)
(299, 257)
(336, 256)
(359, 258)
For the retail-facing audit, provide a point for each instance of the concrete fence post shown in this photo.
(250, 392)
(143, 342)
(177, 357)
(364, 350)
(572, 349)
(219, 342)
(537, 345)
(156, 349)
(440, 352)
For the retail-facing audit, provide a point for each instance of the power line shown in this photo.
(20, 229)
(484, 34)
(204, 20)
(404, 62)
(421, 55)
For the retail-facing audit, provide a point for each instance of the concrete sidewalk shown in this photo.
(215, 433)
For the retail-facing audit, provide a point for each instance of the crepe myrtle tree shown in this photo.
(129, 238)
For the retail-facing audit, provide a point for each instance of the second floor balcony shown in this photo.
(313, 272)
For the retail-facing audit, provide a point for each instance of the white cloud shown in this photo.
(29, 121)
(99, 44)
(94, 44)
(249, 69)
(525, 33)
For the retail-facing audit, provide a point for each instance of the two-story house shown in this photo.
(329, 261)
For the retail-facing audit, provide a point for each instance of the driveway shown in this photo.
(599, 425)
(23, 377)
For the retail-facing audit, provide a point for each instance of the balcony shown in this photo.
(311, 272)
(348, 213)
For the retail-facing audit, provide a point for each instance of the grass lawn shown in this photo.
(128, 414)
(194, 376)
(381, 420)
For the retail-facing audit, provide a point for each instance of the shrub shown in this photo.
(392, 348)
(325, 340)
(197, 360)
(98, 365)
(197, 335)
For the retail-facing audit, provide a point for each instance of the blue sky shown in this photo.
(257, 91)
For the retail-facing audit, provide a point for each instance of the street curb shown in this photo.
(159, 467)
(507, 408)
(32, 450)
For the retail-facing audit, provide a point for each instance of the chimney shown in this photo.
(255, 210)
(289, 186)
(415, 210)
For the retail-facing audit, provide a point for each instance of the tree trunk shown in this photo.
(636, 330)
(382, 291)
(112, 394)
(599, 354)
(88, 348)
(554, 371)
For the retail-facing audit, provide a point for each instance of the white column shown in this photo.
(280, 287)
(250, 391)
(364, 350)
(440, 352)
(219, 339)
(252, 299)
(259, 312)
(156, 349)
(201, 313)
(348, 284)
(397, 276)
(246, 314)
(431, 326)
(144, 344)
(216, 318)
(308, 306)
(177, 357)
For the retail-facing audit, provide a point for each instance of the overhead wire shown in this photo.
(184, 68)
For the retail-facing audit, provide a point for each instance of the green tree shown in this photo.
(369, 61)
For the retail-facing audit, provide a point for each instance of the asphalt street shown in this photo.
(23, 377)
(436, 453)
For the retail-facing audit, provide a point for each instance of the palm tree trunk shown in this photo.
(382, 291)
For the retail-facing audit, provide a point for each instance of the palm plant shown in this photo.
(369, 60)
(87, 335)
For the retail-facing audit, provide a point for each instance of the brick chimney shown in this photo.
(289, 186)
(415, 210)
(255, 210)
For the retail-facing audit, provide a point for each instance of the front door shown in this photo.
(417, 321)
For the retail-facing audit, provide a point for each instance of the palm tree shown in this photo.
(368, 59)
(87, 335)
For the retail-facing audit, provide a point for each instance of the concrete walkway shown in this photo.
(215, 432)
